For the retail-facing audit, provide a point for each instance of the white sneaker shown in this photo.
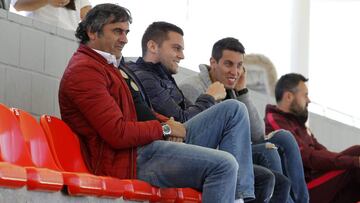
(239, 201)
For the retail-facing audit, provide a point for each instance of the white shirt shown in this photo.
(58, 16)
(111, 59)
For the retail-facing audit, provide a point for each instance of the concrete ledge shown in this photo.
(20, 19)
(24, 195)
(40, 25)
(3, 13)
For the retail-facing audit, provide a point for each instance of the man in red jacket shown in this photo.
(291, 113)
(122, 136)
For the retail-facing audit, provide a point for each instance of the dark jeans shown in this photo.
(270, 184)
(264, 184)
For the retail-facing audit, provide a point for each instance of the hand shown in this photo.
(241, 83)
(178, 131)
(59, 3)
(217, 90)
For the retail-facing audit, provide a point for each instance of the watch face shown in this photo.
(166, 129)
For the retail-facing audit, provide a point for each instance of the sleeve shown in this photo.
(317, 145)
(312, 158)
(257, 125)
(161, 117)
(102, 113)
(13, 2)
(163, 102)
(84, 3)
(191, 91)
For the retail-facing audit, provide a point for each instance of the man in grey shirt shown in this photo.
(226, 67)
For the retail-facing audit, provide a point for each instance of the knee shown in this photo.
(229, 163)
(234, 104)
(284, 136)
(265, 177)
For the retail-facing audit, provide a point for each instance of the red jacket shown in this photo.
(97, 105)
(316, 158)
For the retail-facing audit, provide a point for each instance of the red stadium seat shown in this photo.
(13, 150)
(59, 135)
(36, 142)
(11, 175)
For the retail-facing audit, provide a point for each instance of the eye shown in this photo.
(228, 64)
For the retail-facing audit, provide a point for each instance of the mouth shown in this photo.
(231, 80)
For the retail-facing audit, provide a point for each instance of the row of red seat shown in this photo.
(46, 156)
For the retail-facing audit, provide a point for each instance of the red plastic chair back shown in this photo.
(13, 149)
(35, 140)
(64, 144)
(12, 144)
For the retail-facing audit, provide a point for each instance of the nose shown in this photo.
(233, 71)
(123, 38)
(181, 55)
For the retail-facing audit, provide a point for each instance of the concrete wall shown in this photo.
(33, 56)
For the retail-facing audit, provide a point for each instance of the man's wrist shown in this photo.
(242, 91)
(166, 130)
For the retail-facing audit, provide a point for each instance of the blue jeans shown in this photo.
(292, 165)
(270, 159)
(226, 126)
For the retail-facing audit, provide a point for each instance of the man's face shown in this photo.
(300, 101)
(170, 53)
(113, 38)
(228, 69)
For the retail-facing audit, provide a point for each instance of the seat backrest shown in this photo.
(12, 145)
(261, 73)
(64, 144)
(35, 140)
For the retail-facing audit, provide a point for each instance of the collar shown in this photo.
(155, 67)
(205, 74)
(111, 59)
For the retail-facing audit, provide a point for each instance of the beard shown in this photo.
(301, 113)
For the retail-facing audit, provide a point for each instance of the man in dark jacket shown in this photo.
(291, 113)
(122, 136)
(162, 46)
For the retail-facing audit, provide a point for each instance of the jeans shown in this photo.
(226, 126)
(282, 189)
(270, 159)
(291, 164)
(264, 184)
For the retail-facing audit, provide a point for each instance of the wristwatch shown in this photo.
(166, 130)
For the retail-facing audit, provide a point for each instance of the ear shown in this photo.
(152, 47)
(288, 97)
(92, 35)
(212, 62)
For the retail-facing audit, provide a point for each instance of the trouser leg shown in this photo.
(292, 164)
(226, 125)
(170, 164)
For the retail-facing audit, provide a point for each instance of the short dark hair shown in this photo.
(98, 17)
(288, 82)
(228, 43)
(158, 32)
